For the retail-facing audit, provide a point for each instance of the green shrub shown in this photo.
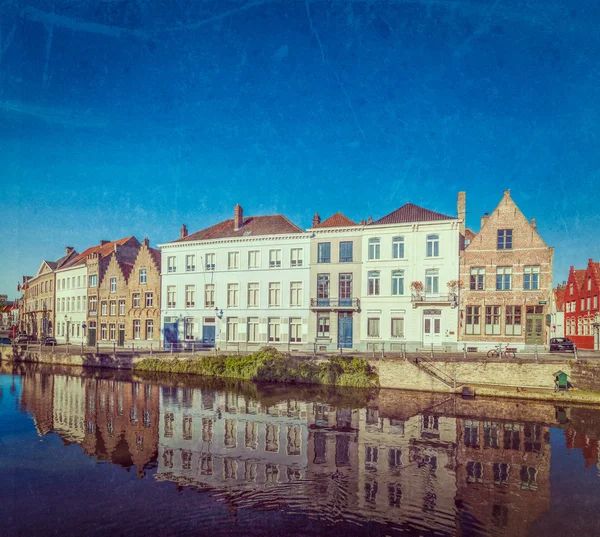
(270, 365)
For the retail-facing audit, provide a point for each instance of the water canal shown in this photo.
(108, 454)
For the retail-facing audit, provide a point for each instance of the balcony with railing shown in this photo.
(434, 298)
(335, 304)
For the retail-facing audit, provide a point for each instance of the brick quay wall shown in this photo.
(521, 379)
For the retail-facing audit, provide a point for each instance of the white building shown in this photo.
(409, 282)
(240, 284)
(71, 301)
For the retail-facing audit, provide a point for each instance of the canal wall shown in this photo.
(522, 380)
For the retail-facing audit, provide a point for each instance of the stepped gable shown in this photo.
(559, 297)
(580, 277)
(412, 213)
(156, 257)
(336, 220)
(126, 269)
(102, 250)
(275, 224)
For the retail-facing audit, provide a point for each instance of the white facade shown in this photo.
(71, 304)
(237, 292)
(394, 256)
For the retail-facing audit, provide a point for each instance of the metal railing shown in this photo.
(434, 297)
(335, 303)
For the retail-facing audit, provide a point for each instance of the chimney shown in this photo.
(102, 243)
(238, 217)
(370, 220)
(316, 220)
(484, 219)
(363, 222)
(507, 193)
(116, 250)
(461, 210)
(146, 242)
(184, 232)
(533, 223)
(68, 250)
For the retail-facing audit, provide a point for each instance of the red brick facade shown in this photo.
(581, 305)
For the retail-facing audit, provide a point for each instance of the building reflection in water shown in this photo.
(432, 463)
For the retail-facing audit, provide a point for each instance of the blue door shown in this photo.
(344, 330)
(208, 335)
(170, 333)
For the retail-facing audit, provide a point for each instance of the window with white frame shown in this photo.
(596, 302)
(149, 300)
(397, 282)
(323, 325)
(93, 280)
(171, 264)
(135, 300)
(589, 284)
(373, 280)
(254, 259)
(513, 321)
(103, 307)
(253, 295)
(233, 292)
(121, 307)
(503, 278)
(374, 249)
(322, 289)
(583, 304)
(171, 303)
(432, 282)
(398, 248)
(209, 295)
(274, 330)
(433, 245)
(295, 294)
(113, 285)
(477, 279)
(68, 284)
(232, 329)
(137, 332)
(189, 328)
(113, 307)
(492, 320)
(210, 263)
(103, 332)
(190, 296)
(473, 320)
(253, 330)
(112, 332)
(397, 329)
(233, 260)
(149, 329)
(274, 294)
(93, 304)
(274, 258)
(78, 303)
(295, 330)
(324, 252)
(346, 254)
(589, 303)
(69, 305)
(296, 257)
(190, 263)
(373, 327)
(345, 288)
(143, 276)
(531, 278)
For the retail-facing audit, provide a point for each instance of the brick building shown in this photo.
(506, 281)
(582, 314)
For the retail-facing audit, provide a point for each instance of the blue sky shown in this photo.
(131, 118)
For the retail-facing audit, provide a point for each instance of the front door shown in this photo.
(208, 335)
(344, 330)
(92, 336)
(121, 335)
(432, 329)
(170, 332)
(534, 329)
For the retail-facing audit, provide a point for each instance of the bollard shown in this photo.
(97, 348)
(455, 381)
(150, 349)
(342, 352)
(575, 352)
(464, 351)
(432, 351)
(536, 353)
(382, 351)
(114, 348)
(67, 348)
(133, 348)
(171, 347)
(82, 346)
(404, 351)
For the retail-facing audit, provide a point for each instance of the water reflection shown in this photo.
(427, 463)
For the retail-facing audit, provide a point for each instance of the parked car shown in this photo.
(5, 341)
(49, 340)
(22, 338)
(561, 344)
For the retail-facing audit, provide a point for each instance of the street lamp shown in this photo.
(67, 326)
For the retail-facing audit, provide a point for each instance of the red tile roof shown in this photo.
(412, 213)
(559, 297)
(101, 249)
(337, 220)
(580, 277)
(274, 224)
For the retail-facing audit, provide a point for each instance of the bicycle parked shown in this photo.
(498, 352)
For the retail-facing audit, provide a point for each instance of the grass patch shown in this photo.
(269, 365)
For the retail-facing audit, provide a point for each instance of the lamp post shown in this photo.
(67, 327)
(218, 315)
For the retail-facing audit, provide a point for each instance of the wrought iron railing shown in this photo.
(432, 297)
(335, 303)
